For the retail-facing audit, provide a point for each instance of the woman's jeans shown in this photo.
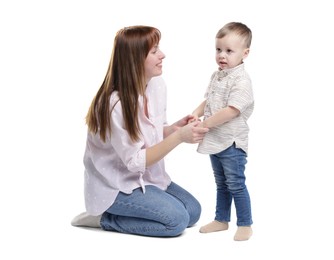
(228, 168)
(153, 213)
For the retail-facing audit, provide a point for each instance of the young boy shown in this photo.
(226, 109)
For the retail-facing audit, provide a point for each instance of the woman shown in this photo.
(126, 186)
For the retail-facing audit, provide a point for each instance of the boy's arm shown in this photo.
(199, 111)
(222, 116)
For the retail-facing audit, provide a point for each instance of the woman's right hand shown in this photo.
(190, 133)
(193, 132)
(193, 118)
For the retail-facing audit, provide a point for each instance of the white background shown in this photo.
(53, 57)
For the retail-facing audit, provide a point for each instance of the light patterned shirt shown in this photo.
(230, 87)
(119, 164)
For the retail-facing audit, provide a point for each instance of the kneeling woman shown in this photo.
(126, 186)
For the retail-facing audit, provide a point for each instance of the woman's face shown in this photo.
(153, 63)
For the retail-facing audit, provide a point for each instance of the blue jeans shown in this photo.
(155, 213)
(228, 168)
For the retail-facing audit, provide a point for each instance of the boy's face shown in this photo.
(230, 51)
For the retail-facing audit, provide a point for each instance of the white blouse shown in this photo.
(119, 164)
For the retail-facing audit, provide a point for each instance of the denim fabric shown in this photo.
(153, 213)
(228, 168)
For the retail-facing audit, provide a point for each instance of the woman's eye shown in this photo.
(155, 50)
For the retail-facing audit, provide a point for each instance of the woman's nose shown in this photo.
(162, 55)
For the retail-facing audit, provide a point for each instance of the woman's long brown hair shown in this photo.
(126, 74)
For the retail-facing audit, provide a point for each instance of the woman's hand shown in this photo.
(183, 133)
(178, 124)
(184, 121)
(193, 118)
(193, 132)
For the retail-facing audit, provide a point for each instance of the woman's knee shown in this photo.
(194, 209)
(179, 221)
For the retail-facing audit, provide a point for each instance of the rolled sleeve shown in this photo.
(131, 154)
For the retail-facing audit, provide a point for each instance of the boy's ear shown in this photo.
(246, 52)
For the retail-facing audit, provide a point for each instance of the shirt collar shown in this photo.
(226, 72)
